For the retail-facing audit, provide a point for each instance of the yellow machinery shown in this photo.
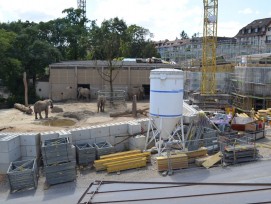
(209, 43)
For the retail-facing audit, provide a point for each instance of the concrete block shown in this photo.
(23, 151)
(118, 129)
(13, 155)
(134, 128)
(29, 139)
(80, 134)
(9, 143)
(144, 124)
(137, 142)
(32, 151)
(121, 144)
(3, 134)
(99, 131)
(48, 136)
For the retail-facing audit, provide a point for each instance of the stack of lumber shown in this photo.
(242, 115)
(122, 161)
(200, 160)
(239, 153)
(262, 114)
(197, 153)
(178, 161)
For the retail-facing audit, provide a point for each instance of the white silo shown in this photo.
(166, 104)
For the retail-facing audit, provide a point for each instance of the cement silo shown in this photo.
(166, 103)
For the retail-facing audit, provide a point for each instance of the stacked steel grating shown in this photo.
(56, 151)
(59, 162)
(23, 175)
(239, 153)
(103, 148)
(86, 153)
(60, 173)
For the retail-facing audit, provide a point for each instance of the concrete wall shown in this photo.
(24, 146)
(42, 89)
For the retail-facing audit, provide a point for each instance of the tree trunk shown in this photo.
(25, 90)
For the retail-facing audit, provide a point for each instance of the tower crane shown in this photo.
(209, 44)
(81, 4)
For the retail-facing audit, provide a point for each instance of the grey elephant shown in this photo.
(40, 106)
(101, 103)
(83, 92)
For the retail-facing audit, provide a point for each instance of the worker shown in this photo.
(252, 113)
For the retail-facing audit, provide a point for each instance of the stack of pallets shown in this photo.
(23, 175)
(85, 153)
(59, 162)
(239, 153)
(103, 148)
(178, 161)
(122, 161)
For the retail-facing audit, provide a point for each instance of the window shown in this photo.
(249, 31)
(256, 30)
(269, 29)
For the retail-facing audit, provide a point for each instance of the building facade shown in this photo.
(66, 77)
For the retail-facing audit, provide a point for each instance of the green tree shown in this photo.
(10, 67)
(106, 44)
(138, 44)
(184, 35)
(75, 33)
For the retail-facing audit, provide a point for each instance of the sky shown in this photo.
(165, 19)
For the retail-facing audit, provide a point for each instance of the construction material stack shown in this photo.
(103, 148)
(122, 161)
(86, 153)
(59, 161)
(178, 161)
(23, 175)
(239, 153)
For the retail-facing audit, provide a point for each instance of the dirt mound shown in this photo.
(80, 115)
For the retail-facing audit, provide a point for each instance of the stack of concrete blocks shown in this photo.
(86, 154)
(118, 134)
(30, 146)
(23, 175)
(10, 150)
(59, 161)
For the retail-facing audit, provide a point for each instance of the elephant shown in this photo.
(40, 106)
(101, 103)
(83, 92)
(138, 91)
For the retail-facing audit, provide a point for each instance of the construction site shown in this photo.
(194, 132)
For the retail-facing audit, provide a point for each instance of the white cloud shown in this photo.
(228, 29)
(38, 10)
(165, 20)
(246, 11)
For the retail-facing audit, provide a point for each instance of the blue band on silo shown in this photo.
(158, 91)
(166, 116)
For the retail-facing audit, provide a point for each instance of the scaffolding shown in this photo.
(251, 82)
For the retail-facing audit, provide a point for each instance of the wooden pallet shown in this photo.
(178, 161)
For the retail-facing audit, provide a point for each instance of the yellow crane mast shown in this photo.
(209, 43)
